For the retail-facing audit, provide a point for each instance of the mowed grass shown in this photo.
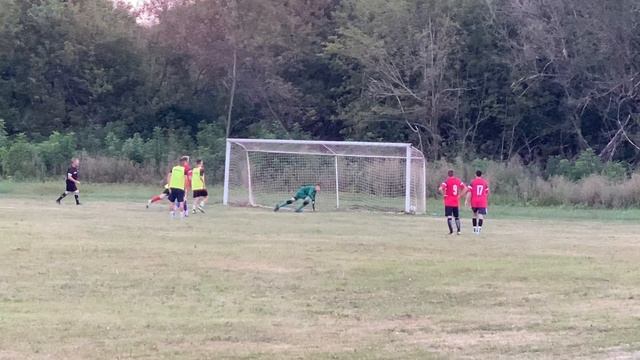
(113, 280)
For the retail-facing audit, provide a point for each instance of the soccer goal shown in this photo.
(352, 175)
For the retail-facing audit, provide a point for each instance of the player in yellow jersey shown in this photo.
(199, 186)
(177, 181)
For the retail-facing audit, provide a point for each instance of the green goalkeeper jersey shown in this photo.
(306, 191)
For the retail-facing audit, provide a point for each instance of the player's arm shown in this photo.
(70, 177)
(442, 188)
(467, 198)
(169, 180)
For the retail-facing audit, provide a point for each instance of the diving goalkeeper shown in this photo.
(307, 193)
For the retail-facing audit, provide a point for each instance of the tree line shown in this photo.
(540, 81)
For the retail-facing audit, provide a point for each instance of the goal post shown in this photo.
(352, 175)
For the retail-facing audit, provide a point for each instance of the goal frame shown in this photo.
(409, 148)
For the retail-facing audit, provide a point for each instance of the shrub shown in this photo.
(56, 152)
(21, 160)
(134, 149)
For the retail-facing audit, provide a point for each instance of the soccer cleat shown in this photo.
(148, 203)
(58, 202)
(275, 209)
(298, 210)
(201, 209)
(459, 233)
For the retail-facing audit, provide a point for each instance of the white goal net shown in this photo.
(352, 175)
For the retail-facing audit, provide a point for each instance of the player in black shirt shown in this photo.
(72, 182)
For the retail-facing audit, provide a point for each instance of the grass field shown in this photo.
(112, 280)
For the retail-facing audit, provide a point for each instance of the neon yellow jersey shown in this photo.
(196, 179)
(177, 177)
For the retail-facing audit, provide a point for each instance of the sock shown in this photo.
(186, 207)
(155, 199)
(77, 199)
(480, 222)
(450, 226)
(458, 224)
(62, 196)
(474, 221)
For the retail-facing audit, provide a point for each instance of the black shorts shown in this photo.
(481, 211)
(71, 186)
(200, 193)
(452, 211)
(176, 195)
(166, 192)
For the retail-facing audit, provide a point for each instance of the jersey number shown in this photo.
(455, 190)
(479, 190)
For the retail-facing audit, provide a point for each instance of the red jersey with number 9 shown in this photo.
(452, 189)
(479, 193)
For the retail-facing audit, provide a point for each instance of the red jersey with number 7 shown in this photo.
(452, 188)
(479, 189)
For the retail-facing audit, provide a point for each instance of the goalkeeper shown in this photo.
(306, 193)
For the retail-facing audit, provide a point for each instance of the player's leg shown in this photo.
(204, 196)
(474, 220)
(196, 199)
(305, 202)
(76, 194)
(448, 213)
(62, 196)
(456, 215)
(153, 199)
(184, 203)
(172, 203)
(286, 203)
(481, 214)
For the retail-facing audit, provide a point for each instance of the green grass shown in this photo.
(140, 193)
(113, 280)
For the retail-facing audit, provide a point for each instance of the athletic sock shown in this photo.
(480, 223)
(458, 224)
(450, 226)
(474, 221)
(61, 197)
(155, 199)
(77, 199)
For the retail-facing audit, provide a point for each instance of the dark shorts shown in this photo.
(176, 195)
(481, 211)
(71, 186)
(452, 211)
(166, 192)
(200, 193)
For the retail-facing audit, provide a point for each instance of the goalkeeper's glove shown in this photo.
(313, 205)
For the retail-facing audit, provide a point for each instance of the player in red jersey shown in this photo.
(452, 189)
(478, 198)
